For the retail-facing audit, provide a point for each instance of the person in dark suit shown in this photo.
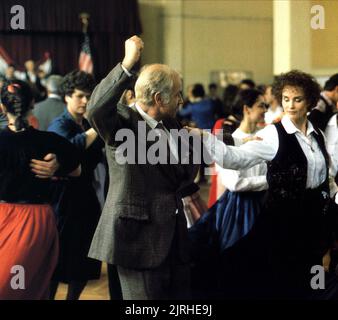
(32, 77)
(46, 111)
(326, 106)
(142, 229)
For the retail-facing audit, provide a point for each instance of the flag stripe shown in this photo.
(85, 59)
(5, 60)
(5, 55)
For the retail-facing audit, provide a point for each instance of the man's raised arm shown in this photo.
(102, 112)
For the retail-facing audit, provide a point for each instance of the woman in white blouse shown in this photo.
(234, 213)
(331, 133)
(238, 207)
(293, 232)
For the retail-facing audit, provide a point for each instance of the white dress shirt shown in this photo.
(331, 133)
(254, 152)
(153, 123)
(21, 75)
(253, 179)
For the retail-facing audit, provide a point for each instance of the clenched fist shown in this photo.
(133, 49)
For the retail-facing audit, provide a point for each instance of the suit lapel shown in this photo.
(166, 169)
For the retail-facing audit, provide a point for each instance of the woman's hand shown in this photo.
(195, 131)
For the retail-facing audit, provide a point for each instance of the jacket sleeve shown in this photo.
(63, 128)
(102, 106)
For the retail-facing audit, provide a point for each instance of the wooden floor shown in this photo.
(95, 290)
(98, 289)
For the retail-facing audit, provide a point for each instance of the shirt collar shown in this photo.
(290, 128)
(333, 121)
(149, 120)
(54, 96)
(326, 98)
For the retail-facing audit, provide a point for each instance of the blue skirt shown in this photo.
(226, 222)
(235, 215)
(217, 231)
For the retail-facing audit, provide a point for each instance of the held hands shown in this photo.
(45, 168)
(196, 131)
(133, 49)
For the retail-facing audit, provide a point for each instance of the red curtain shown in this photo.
(54, 26)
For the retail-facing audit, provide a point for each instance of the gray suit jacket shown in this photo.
(143, 208)
(46, 111)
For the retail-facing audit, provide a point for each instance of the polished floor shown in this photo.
(95, 290)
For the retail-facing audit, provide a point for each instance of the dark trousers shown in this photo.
(169, 281)
(115, 291)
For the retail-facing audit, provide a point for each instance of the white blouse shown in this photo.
(254, 152)
(252, 179)
(331, 133)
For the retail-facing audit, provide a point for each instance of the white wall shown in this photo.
(199, 36)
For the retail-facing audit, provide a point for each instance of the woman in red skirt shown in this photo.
(28, 235)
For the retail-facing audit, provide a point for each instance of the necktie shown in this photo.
(167, 138)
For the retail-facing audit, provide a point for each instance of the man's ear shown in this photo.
(67, 98)
(246, 109)
(157, 98)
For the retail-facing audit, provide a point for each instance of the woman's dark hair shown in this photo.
(198, 90)
(250, 83)
(17, 97)
(331, 83)
(229, 95)
(246, 97)
(302, 80)
(77, 80)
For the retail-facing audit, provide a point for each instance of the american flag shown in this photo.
(85, 59)
(5, 60)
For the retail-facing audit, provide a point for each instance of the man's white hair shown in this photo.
(152, 79)
(53, 83)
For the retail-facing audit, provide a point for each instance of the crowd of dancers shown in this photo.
(66, 205)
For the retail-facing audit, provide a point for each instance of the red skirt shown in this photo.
(29, 250)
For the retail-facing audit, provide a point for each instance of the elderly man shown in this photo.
(142, 229)
(46, 111)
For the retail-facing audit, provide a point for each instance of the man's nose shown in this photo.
(181, 100)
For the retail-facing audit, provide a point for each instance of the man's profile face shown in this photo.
(176, 99)
(335, 96)
(77, 102)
